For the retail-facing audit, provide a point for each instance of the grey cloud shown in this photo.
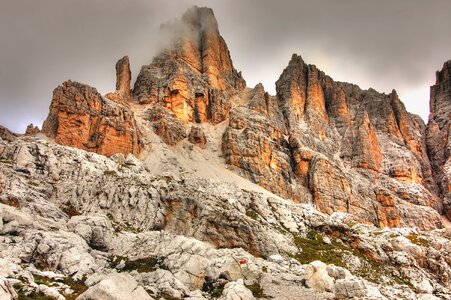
(380, 44)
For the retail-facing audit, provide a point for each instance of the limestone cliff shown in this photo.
(194, 77)
(317, 141)
(336, 146)
(438, 135)
(80, 117)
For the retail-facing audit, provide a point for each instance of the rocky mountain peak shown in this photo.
(201, 18)
(123, 77)
(438, 133)
(443, 75)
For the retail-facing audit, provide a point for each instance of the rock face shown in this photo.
(438, 135)
(113, 228)
(7, 134)
(194, 77)
(123, 77)
(319, 141)
(80, 117)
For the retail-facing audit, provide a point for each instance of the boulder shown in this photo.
(116, 287)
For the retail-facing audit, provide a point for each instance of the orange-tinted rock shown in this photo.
(80, 117)
(380, 111)
(167, 126)
(330, 187)
(300, 89)
(260, 100)
(302, 158)
(123, 77)
(194, 77)
(32, 130)
(252, 144)
(337, 107)
(341, 140)
(315, 106)
(366, 152)
(291, 90)
(387, 213)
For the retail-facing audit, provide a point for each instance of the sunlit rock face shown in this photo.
(194, 76)
(336, 146)
(317, 141)
(80, 117)
(438, 135)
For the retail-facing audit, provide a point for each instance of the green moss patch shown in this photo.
(141, 265)
(252, 214)
(110, 173)
(314, 248)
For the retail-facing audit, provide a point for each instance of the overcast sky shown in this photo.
(394, 44)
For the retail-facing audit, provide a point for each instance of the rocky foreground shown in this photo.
(193, 186)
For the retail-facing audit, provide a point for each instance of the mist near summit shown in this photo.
(384, 45)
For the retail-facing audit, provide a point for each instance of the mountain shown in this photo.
(192, 185)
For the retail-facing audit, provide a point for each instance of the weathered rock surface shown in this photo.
(123, 77)
(333, 145)
(194, 76)
(182, 237)
(317, 141)
(7, 292)
(7, 134)
(116, 287)
(80, 117)
(438, 135)
(167, 126)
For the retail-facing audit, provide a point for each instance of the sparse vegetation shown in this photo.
(256, 290)
(418, 240)
(5, 161)
(214, 289)
(141, 265)
(110, 173)
(77, 286)
(32, 183)
(314, 248)
(252, 214)
(30, 295)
